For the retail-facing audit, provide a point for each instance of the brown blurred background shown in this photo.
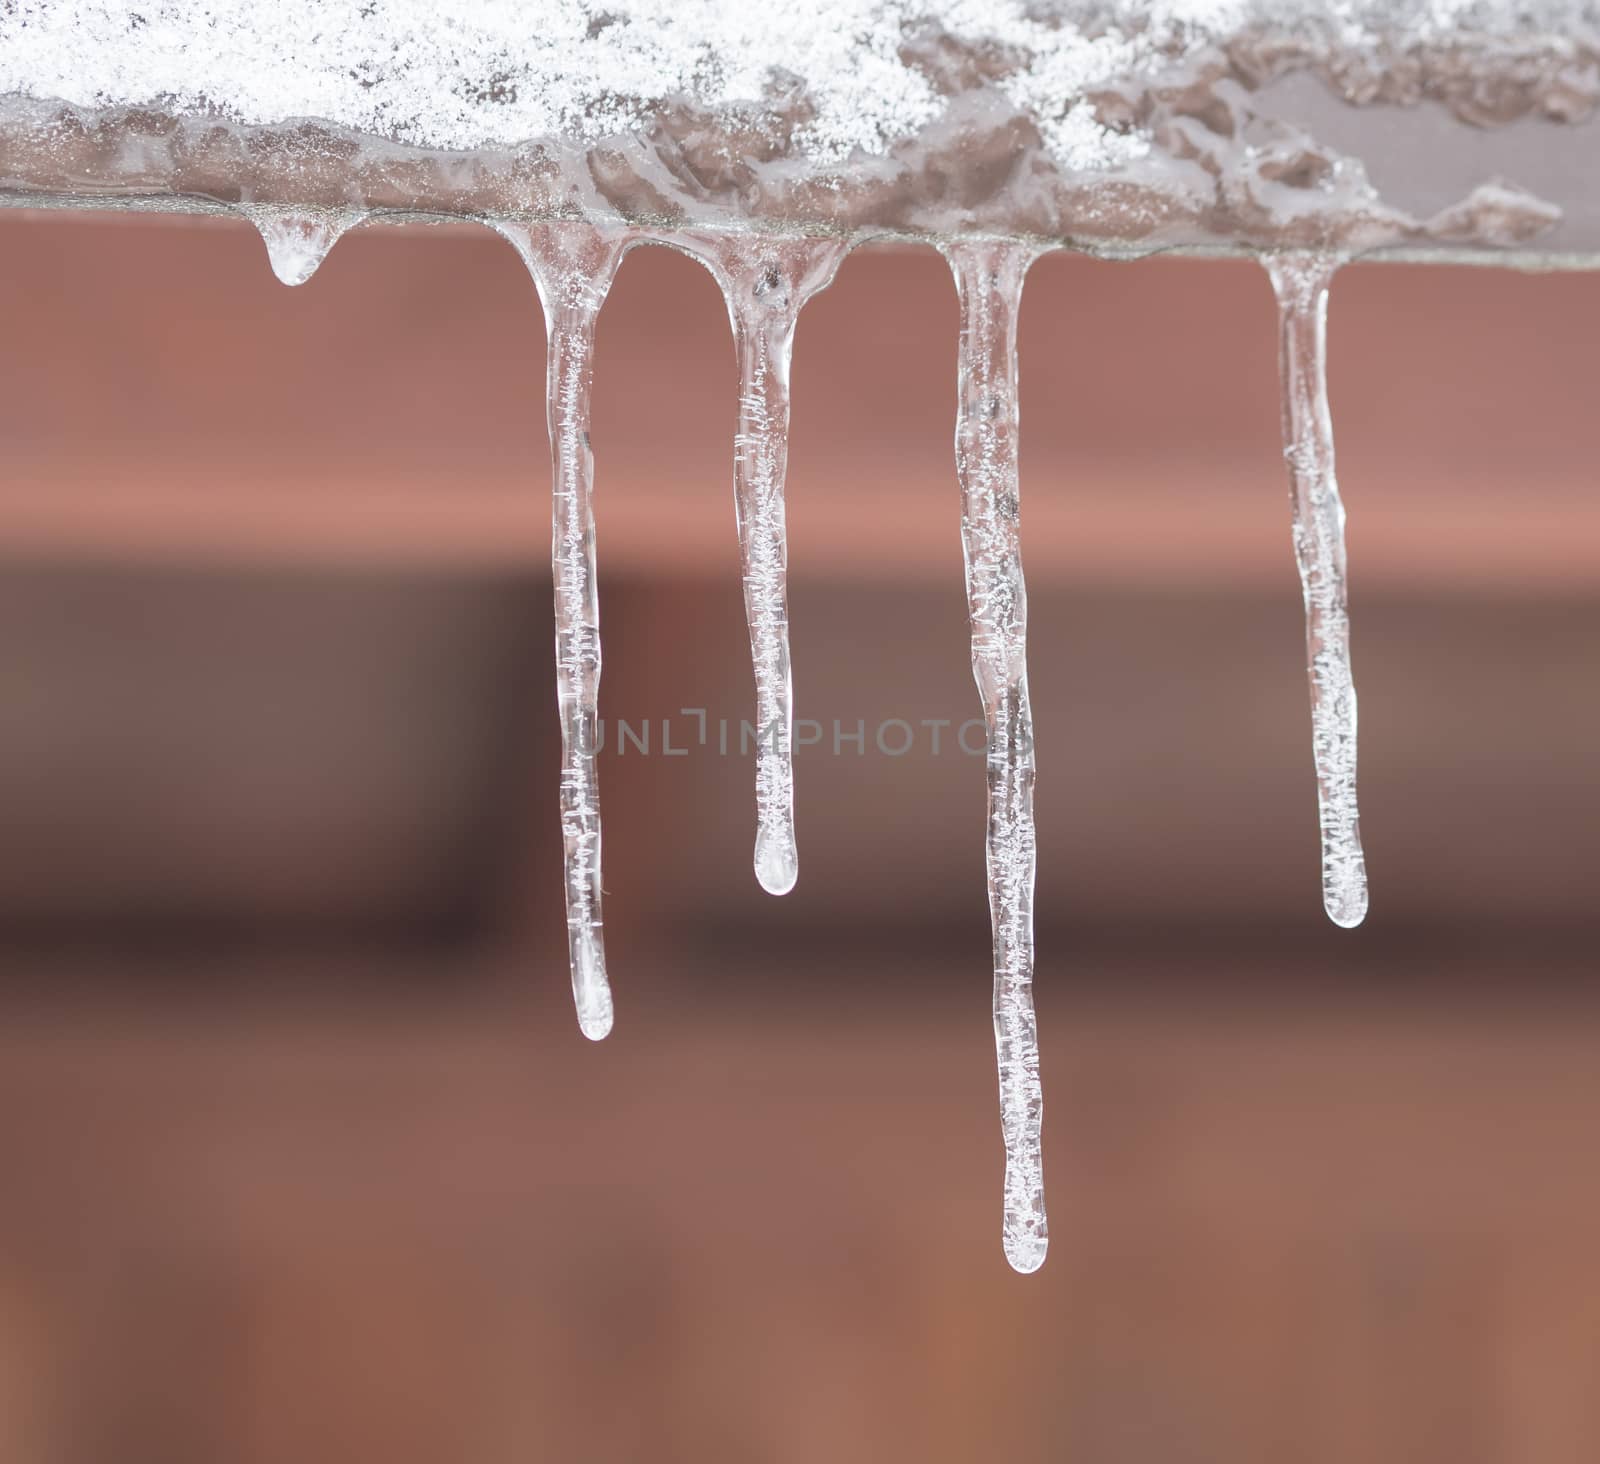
(304, 1158)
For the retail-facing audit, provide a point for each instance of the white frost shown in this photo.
(498, 73)
(495, 73)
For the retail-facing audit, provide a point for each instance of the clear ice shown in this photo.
(765, 282)
(572, 265)
(989, 279)
(1301, 281)
(298, 240)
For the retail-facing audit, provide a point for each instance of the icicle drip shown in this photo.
(765, 282)
(573, 265)
(989, 280)
(298, 240)
(1301, 282)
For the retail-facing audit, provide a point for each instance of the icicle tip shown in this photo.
(1026, 1252)
(1347, 908)
(297, 242)
(777, 862)
(591, 991)
(595, 1017)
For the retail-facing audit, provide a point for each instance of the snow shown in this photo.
(848, 74)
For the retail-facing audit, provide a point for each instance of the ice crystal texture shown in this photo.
(765, 282)
(1118, 125)
(766, 141)
(298, 240)
(1301, 282)
(989, 282)
(573, 265)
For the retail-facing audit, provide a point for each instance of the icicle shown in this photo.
(1301, 282)
(989, 280)
(573, 265)
(765, 282)
(298, 240)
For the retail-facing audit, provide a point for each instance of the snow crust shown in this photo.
(836, 77)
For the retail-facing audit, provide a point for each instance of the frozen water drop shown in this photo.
(989, 278)
(298, 240)
(591, 991)
(765, 282)
(777, 862)
(1300, 280)
(1026, 1250)
(573, 265)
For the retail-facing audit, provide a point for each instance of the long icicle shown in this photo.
(766, 281)
(1301, 281)
(573, 265)
(989, 279)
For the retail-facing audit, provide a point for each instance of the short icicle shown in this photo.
(1301, 281)
(573, 265)
(298, 239)
(766, 281)
(989, 279)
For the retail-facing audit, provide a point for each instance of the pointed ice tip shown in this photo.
(297, 243)
(1026, 1252)
(777, 862)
